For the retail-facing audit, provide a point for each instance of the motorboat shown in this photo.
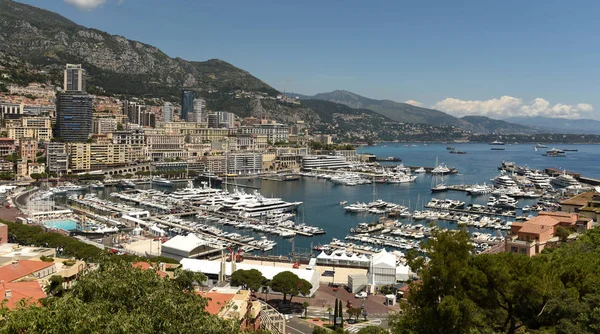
(420, 170)
(496, 142)
(159, 181)
(565, 180)
(555, 153)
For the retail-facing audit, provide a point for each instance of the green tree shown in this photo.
(373, 330)
(439, 303)
(562, 233)
(335, 313)
(305, 306)
(341, 315)
(288, 283)
(55, 286)
(118, 298)
(249, 279)
(187, 280)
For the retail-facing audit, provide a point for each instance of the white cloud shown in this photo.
(414, 103)
(85, 4)
(507, 106)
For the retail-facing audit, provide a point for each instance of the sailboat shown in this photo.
(439, 184)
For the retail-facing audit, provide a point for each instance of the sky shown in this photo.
(493, 58)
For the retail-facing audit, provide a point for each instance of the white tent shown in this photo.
(384, 259)
(214, 267)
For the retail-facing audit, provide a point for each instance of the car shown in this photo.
(361, 294)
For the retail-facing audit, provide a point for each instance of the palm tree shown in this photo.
(305, 306)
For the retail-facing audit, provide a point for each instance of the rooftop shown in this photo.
(216, 301)
(539, 224)
(30, 291)
(580, 200)
(19, 269)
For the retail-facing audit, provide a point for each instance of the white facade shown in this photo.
(168, 112)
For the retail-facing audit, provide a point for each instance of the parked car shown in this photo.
(361, 294)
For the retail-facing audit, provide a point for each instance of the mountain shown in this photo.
(114, 63)
(488, 125)
(559, 125)
(401, 112)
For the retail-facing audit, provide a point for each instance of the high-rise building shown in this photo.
(73, 116)
(187, 104)
(199, 110)
(74, 78)
(168, 112)
(221, 119)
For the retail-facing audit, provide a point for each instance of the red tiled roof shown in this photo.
(32, 292)
(22, 268)
(581, 199)
(216, 301)
(539, 224)
(147, 266)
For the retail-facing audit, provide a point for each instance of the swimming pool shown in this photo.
(65, 224)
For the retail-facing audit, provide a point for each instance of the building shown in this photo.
(187, 103)
(18, 270)
(6, 166)
(190, 246)
(131, 137)
(275, 132)
(28, 149)
(85, 157)
(73, 116)
(11, 111)
(244, 163)
(199, 110)
(74, 78)
(33, 89)
(102, 125)
(587, 204)
(161, 147)
(57, 158)
(532, 236)
(137, 114)
(236, 305)
(38, 128)
(35, 168)
(15, 293)
(168, 110)
(221, 119)
(324, 139)
(210, 163)
(7, 146)
(311, 162)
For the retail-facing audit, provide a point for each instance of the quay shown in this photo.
(352, 249)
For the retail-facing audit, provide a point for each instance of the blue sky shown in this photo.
(495, 58)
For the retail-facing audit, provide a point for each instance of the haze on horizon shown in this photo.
(498, 59)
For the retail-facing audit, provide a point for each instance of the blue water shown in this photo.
(321, 197)
(65, 224)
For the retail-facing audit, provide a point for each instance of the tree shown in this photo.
(372, 330)
(55, 287)
(119, 298)
(335, 313)
(187, 280)
(341, 315)
(562, 233)
(250, 279)
(305, 306)
(329, 310)
(288, 283)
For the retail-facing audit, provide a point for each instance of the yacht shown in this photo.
(565, 180)
(401, 178)
(539, 180)
(496, 142)
(159, 181)
(538, 145)
(420, 170)
(257, 205)
(477, 189)
(554, 152)
(504, 201)
(503, 180)
(357, 207)
(191, 193)
(440, 169)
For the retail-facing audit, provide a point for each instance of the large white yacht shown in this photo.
(401, 178)
(539, 180)
(566, 181)
(440, 169)
(256, 205)
(503, 180)
(191, 193)
(477, 189)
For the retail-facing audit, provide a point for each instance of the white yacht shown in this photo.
(401, 178)
(539, 180)
(159, 181)
(420, 170)
(357, 207)
(503, 180)
(566, 181)
(477, 189)
(440, 169)
(191, 193)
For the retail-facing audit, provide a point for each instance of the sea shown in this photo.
(321, 198)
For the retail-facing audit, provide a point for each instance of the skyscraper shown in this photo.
(168, 112)
(73, 116)
(187, 104)
(199, 110)
(74, 78)
(74, 107)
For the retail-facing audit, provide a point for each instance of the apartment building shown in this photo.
(244, 163)
(38, 128)
(28, 149)
(275, 132)
(161, 147)
(57, 157)
(7, 146)
(98, 156)
(185, 128)
(101, 125)
(11, 110)
(132, 137)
